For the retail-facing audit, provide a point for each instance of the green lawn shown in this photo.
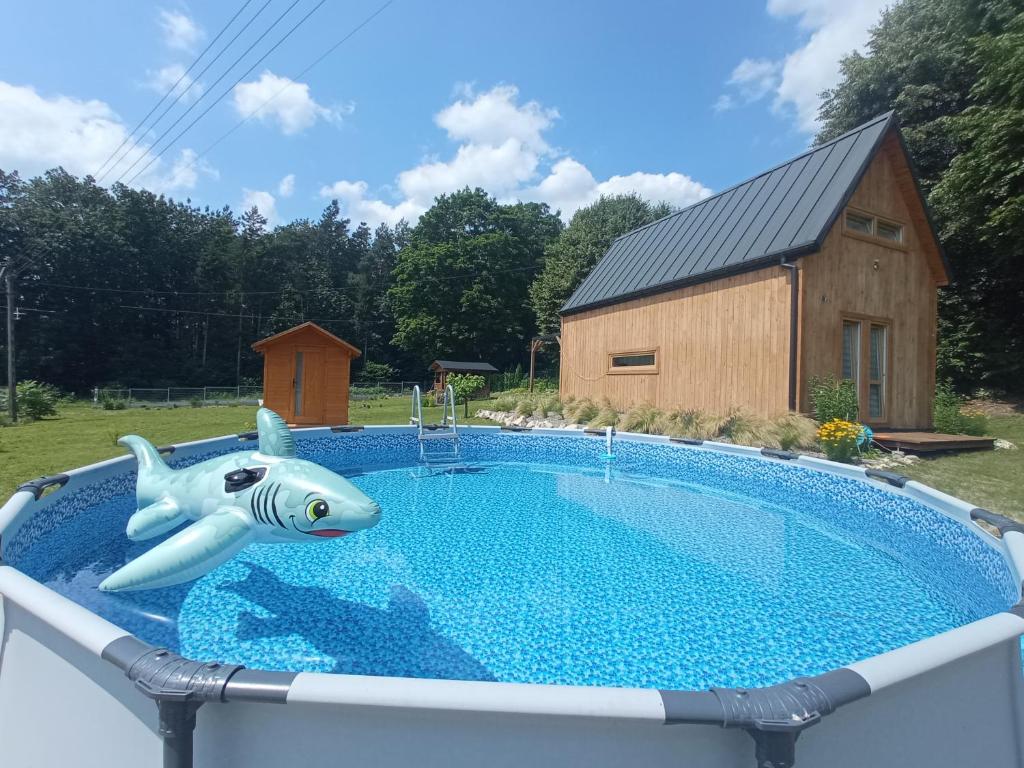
(83, 434)
(990, 479)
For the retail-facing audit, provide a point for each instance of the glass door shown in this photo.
(865, 362)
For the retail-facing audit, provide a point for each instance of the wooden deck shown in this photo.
(927, 442)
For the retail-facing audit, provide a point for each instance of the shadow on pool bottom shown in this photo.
(393, 642)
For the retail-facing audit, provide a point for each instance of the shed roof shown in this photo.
(784, 212)
(311, 326)
(454, 365)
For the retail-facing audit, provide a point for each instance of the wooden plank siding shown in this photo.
(719, 344)
(853, 276)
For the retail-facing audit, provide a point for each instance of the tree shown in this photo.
(570, 257)
(464, 386)
(952, 70)
(461, 284)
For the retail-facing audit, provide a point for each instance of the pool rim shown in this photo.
(773, 715)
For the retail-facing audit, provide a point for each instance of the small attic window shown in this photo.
(858, 223)
(887, 230)
(862, 224)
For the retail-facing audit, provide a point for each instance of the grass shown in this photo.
(82, 434)
(989, 479)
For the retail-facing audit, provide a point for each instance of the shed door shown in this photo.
(308, 405)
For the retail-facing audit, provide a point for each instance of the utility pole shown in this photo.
(12, 382)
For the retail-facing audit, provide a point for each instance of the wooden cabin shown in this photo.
(442, 368)
(826, 264)
(306, 374)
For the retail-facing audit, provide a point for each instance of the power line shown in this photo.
(176, 84)
(292, 81)
(230, 291)
(224, 93)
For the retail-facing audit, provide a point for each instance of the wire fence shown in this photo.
(138, 396)
(169, 396)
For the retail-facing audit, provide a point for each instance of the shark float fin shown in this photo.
(275, 437)
(159, 517)
(148, 457)
(187, 555)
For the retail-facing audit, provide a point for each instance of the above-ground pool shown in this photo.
(667, 570)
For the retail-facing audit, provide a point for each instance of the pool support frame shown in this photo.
(773, 716)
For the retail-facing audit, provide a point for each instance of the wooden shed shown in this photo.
(306, 375)
(824, 265)
(442, 368)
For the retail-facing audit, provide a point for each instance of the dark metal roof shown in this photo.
(453, 365)
(784, 212)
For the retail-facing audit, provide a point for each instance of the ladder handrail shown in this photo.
(449, 404)
(416, 415)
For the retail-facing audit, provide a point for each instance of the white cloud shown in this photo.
(292, 107)
(174, 76)
(492, 118)
(38, 133)
(755, 77)
(502, 148)
(831, 29)
(286, 187)
(180, 31)
(264, 201)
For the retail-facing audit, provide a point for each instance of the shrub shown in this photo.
(839, 439)
(376, 372)
(645, 419)
(580, 411)
(505, 403)
(833, 399)
(109, 403)
(513, 379)
(35, 399)
(692, 423)
(950, 416)
(794, 431)
(606, 416)
(196, 402)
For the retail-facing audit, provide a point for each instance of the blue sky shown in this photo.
(557, 102)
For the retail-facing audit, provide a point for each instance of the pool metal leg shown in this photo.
(177, 726)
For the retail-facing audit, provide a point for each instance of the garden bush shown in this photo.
(839, 439)
(833, 399)
(951, 416)
(35, 400)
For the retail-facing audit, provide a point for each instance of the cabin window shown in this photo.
(865, 361)
(644, 361)
(873, 226)
(851, 351)
(878, 354)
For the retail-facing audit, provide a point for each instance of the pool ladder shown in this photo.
(444, 435)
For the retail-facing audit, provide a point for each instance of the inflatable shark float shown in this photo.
(233, 500)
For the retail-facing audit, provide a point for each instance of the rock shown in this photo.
(1004, 445)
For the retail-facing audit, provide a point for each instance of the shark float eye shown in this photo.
(317, 509)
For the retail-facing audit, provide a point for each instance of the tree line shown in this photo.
(123, 287)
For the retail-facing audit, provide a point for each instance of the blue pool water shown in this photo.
(674, 568)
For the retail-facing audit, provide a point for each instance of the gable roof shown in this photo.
(782, 213)
(311, 326)
(454, 365)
